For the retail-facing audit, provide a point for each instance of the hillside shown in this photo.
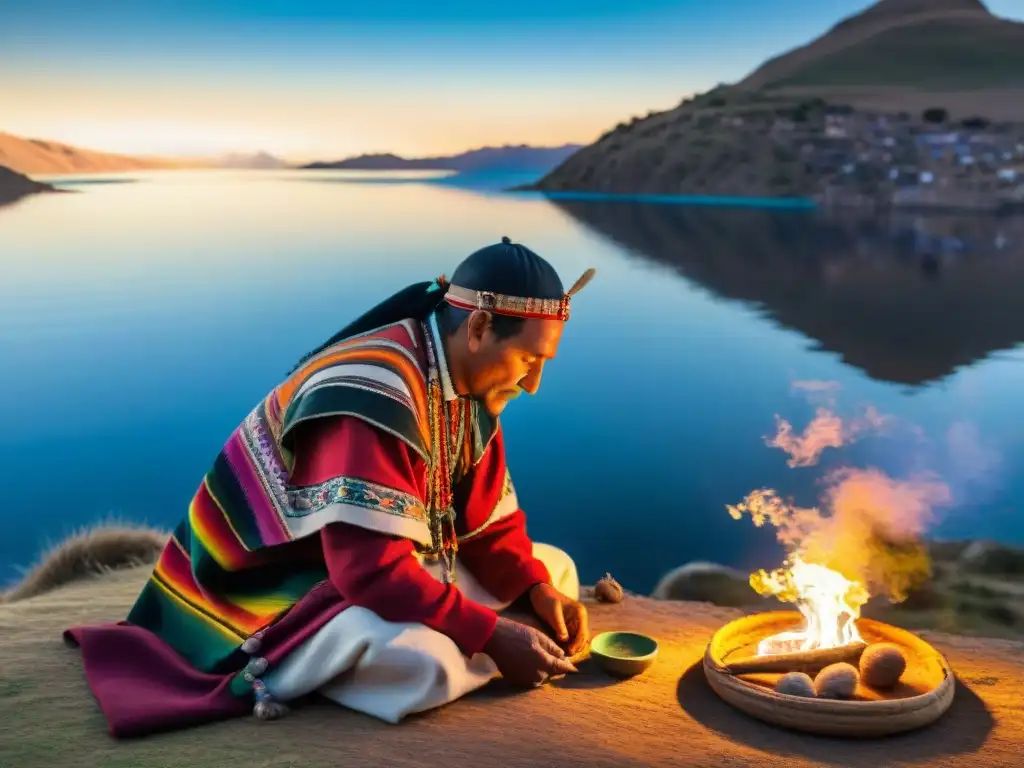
(922, 44)
(791, 125)
(483, 160)
(14, 186)
(36, 156)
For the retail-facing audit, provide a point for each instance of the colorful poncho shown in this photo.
(231, 570)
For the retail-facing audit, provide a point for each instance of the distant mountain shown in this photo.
(257, 161)
(14, 186)
(36, 156)
(522, 158)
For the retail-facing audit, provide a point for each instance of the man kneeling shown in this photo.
(359, 533)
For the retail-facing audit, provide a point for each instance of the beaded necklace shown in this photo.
(450, 455)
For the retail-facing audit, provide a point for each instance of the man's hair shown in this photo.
(450, 319)
(506, 267)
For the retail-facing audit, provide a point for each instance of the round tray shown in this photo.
(921, 697)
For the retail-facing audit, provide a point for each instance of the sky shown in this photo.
(324, 80)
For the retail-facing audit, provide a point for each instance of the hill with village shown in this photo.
(909, 103)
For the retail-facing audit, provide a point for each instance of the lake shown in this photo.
(140, 322)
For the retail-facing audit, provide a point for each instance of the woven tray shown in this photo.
(922, 696)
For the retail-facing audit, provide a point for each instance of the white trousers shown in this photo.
(390, 670)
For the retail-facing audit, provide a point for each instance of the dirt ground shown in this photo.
(667, 717)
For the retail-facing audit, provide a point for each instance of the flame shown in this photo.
(829, 602)
(865, 533)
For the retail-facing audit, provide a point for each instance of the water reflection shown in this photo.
(906, 299)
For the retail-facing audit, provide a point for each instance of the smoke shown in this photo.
(826, 429)
(970, 465)
(974, 469)
(868, 525)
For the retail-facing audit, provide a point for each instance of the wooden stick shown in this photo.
(810, 662)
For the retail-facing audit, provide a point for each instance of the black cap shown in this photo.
(511, 269)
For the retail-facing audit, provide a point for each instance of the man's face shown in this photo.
(500, 369)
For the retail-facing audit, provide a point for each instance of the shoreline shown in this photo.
(15, 187)
(62, 182)
(788, 203)
(815, 203)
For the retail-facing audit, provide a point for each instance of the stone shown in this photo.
(882, 665)
(796, 684)
(836, 681)
(708, 583)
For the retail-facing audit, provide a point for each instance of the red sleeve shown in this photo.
(497, 548)
(372, 569)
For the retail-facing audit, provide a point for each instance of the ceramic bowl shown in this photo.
(624, 654)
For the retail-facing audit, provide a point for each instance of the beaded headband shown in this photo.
(515, 306)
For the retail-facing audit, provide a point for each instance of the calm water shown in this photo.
(140, 322)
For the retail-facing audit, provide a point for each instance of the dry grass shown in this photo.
(90, 552)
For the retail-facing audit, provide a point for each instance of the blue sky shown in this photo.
(326, 79)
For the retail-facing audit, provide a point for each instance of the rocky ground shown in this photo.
(667, 717)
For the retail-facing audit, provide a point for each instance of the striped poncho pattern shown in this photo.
(224, 574)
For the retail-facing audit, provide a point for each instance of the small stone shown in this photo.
(795, 684)
(251, 646)
(270, 710)
(836, 681)
(608, 590)
(882, 665)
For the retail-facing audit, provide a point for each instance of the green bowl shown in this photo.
(624, 654)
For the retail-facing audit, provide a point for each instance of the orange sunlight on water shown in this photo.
(265, 218)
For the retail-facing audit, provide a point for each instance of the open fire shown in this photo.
(829, 602)
(863, 539)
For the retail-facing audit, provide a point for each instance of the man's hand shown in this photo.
(568, 618)
(525, 656)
